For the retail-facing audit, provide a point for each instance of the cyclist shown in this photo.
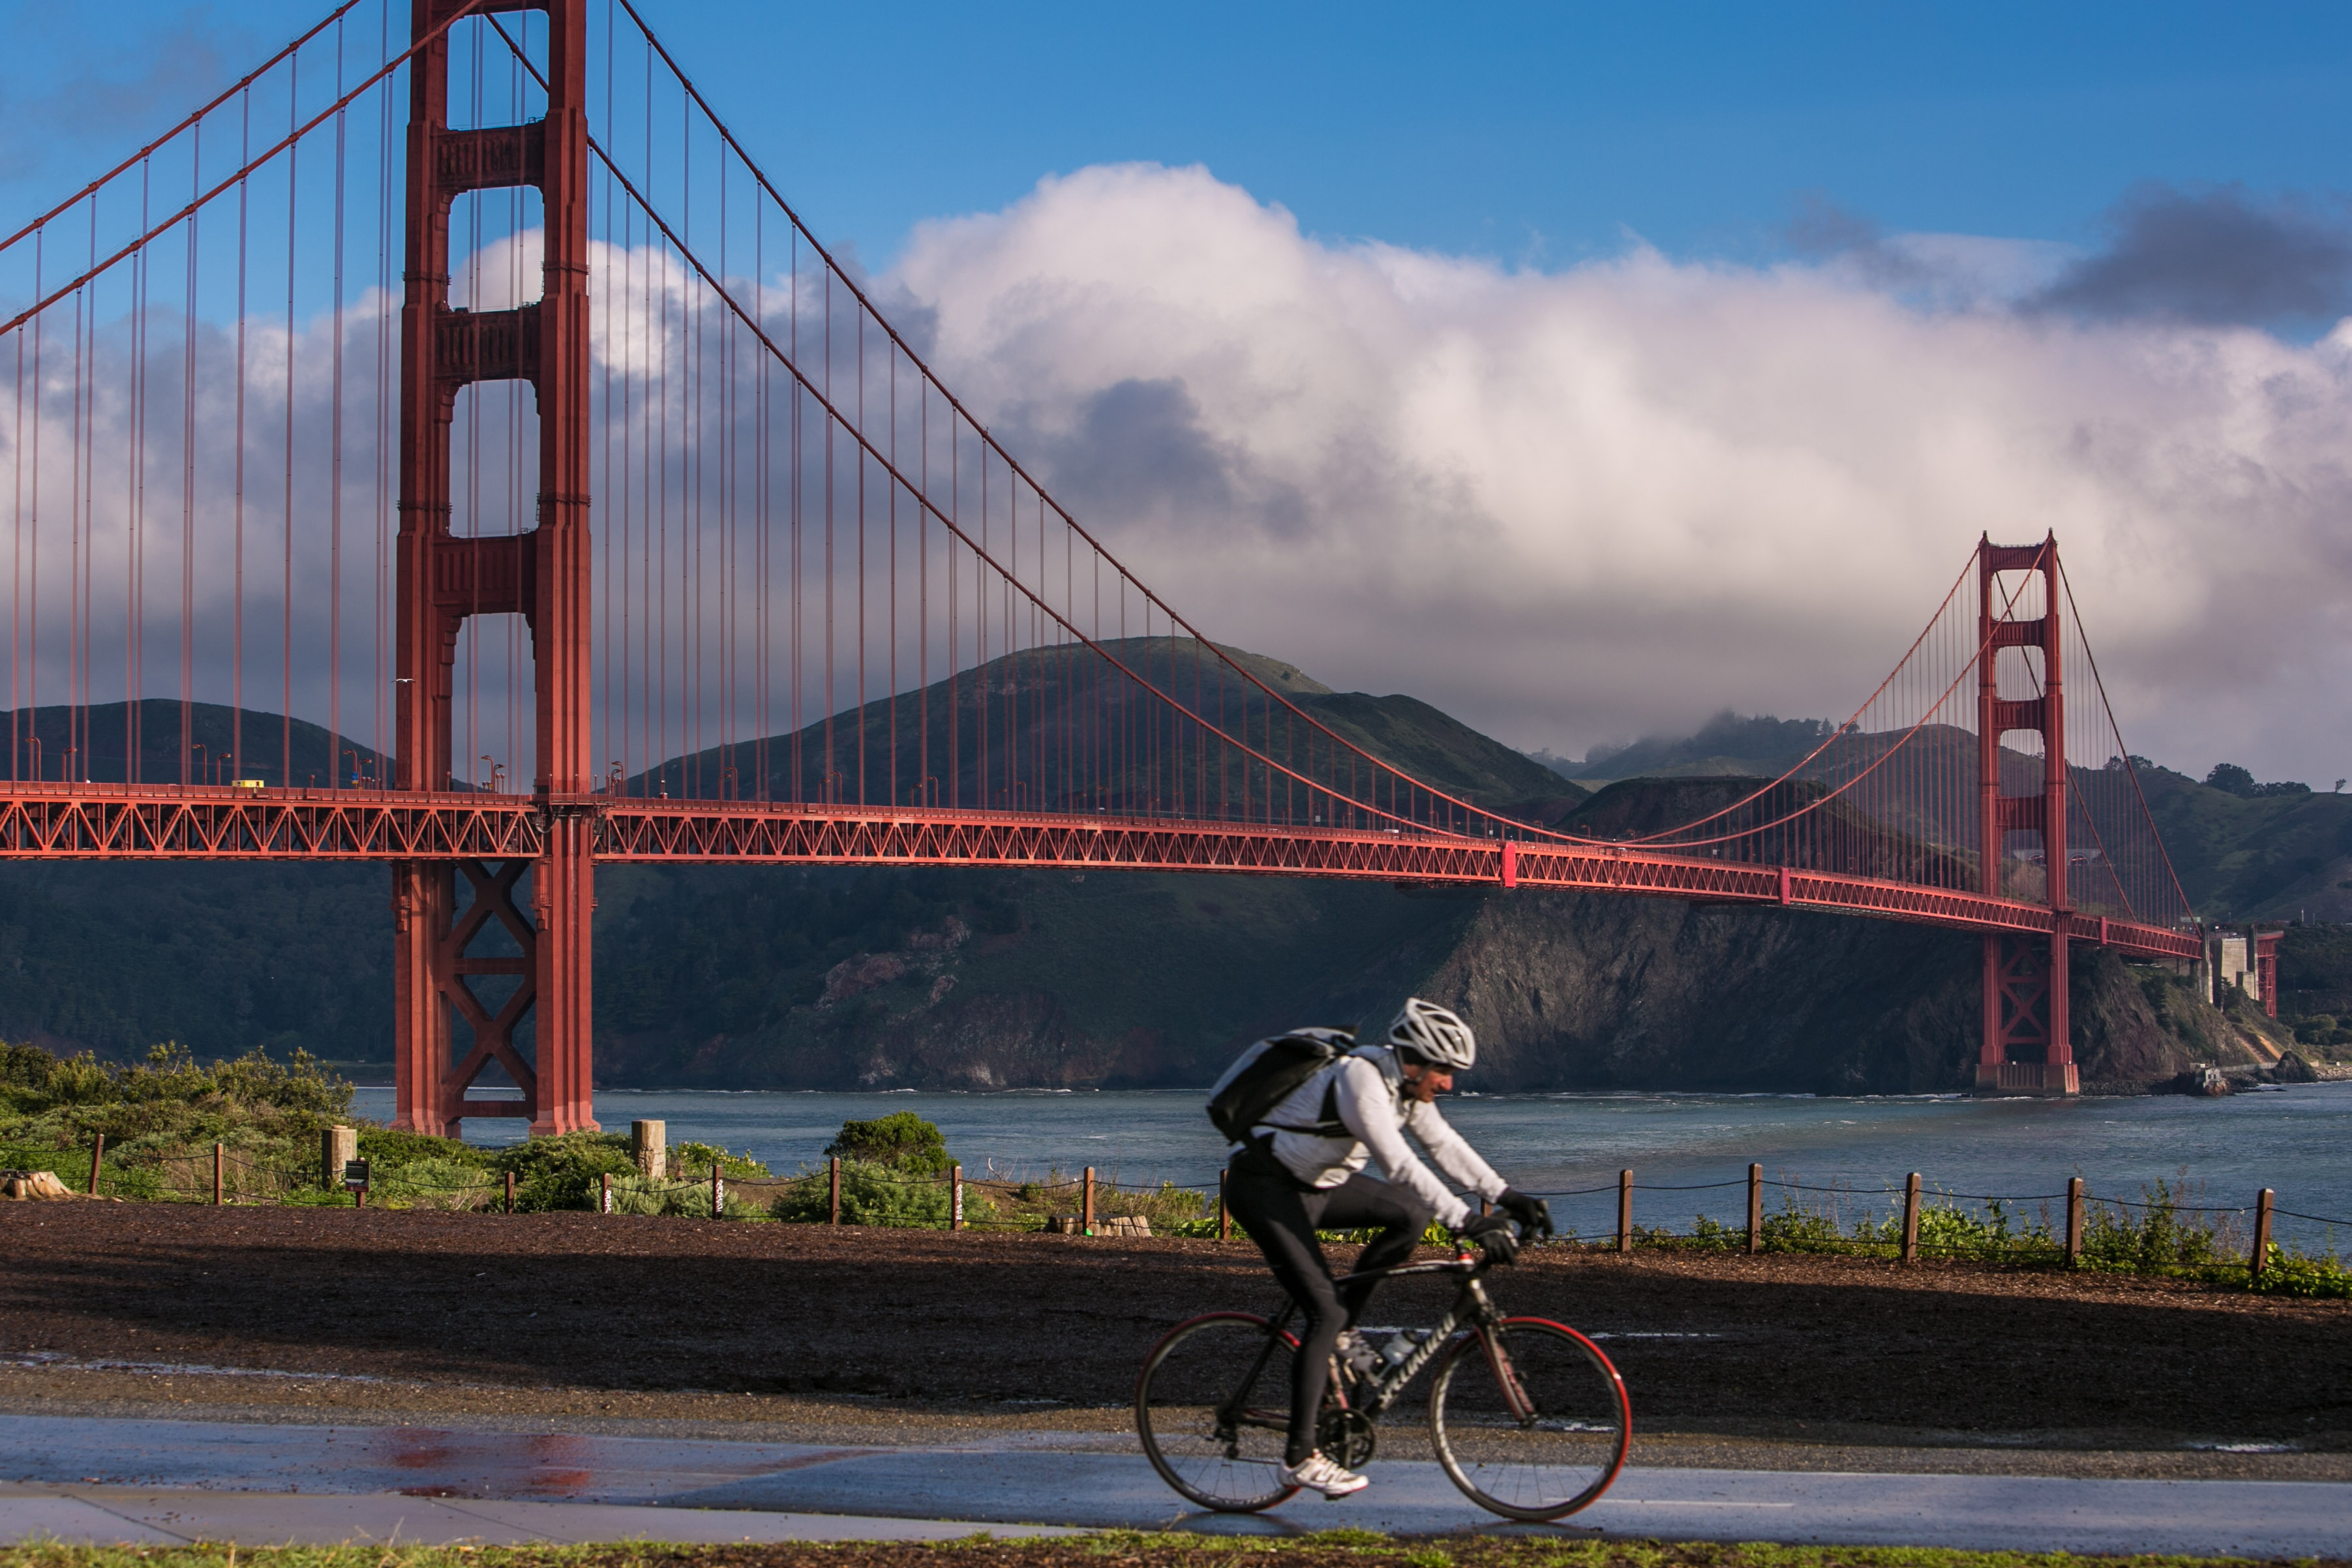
(1302, 1169)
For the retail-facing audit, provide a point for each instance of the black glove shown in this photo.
(1534, 1214)
(1491, 1232)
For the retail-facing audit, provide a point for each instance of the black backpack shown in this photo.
(1267, 1073)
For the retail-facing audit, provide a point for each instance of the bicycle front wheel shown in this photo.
(1213, 1409)
(1529, 1419)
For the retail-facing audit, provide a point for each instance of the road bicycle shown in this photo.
(1526, 1415)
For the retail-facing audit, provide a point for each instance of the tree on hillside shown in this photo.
(2230, 779)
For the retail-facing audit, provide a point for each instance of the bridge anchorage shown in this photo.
(817, 615)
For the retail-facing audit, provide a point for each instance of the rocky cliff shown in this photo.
(997, 980)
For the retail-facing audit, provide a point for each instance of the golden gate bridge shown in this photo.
(458, 380)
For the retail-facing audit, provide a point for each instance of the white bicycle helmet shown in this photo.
(1434, 1035)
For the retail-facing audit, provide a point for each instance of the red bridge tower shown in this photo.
(2026, 1044)
(543, 576)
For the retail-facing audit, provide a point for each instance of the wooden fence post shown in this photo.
(2073, 1222)
(219, 1162)
(604, 1199)
(717, 1191)
(1225, 1215)
(1911, 1217)
(1755, 1209)
(836, 1191)
(1625, 1211)
(97, 1154)
(1086, 1206)
(510, 1192)
(955, 1197)
(2261, 1258)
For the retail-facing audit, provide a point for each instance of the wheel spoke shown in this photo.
(1213, 1411)
(1530, 1420)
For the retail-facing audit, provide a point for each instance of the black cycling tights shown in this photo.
(1282, 1215)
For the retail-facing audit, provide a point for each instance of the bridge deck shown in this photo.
(209, 823)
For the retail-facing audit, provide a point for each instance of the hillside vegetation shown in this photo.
(2243, 849)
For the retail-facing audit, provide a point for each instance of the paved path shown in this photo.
(80, 1479)
(100, 1515)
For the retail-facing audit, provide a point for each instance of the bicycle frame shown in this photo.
(1472, 1307)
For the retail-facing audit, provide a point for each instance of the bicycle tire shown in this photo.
(1546, 1458)
(1194, 1369)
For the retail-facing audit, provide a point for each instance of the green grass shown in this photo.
(1123, 1549)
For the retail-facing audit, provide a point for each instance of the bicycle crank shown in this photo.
(1346, 1436)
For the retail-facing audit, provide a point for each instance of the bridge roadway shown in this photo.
(90, 821)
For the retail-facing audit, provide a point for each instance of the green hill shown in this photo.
(977, 738)
(2286, 854)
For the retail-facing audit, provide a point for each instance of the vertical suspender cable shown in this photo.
(285, 635)
(188, 479)
(236, 603)
(335, 450)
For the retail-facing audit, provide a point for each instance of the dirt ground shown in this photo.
(690, 1320)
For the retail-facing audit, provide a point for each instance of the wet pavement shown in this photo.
(104, 1479)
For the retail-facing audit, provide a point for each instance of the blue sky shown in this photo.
(1535, 134)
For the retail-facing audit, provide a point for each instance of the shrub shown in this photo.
(1715, 1237)
(439, 1183)
(1948, 1230)
(902, 1142)
(2287, 1273)
(563, 1173)
(1793, 1228)
(160, 1117)
(1167, 1206)
(879, 1194)
(689, 1160)
(639, 1195)
(872, 1193)
(2163, 1236)
(389, 1147)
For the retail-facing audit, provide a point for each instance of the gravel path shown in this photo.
(531, 1316)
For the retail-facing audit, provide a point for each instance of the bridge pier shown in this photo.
(2027, 1046)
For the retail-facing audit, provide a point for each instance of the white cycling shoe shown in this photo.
(1318, 1474)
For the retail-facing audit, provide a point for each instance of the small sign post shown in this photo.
(355, 1180)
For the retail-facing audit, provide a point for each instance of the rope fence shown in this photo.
(2160, 1231)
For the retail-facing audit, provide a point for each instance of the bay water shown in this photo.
(2296, 1140)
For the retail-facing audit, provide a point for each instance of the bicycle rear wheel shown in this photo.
(1529, 1419)
(1213, 1409)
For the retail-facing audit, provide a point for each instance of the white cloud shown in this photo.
(1577, 505)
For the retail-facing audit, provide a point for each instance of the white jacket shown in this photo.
(1375, 1110)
